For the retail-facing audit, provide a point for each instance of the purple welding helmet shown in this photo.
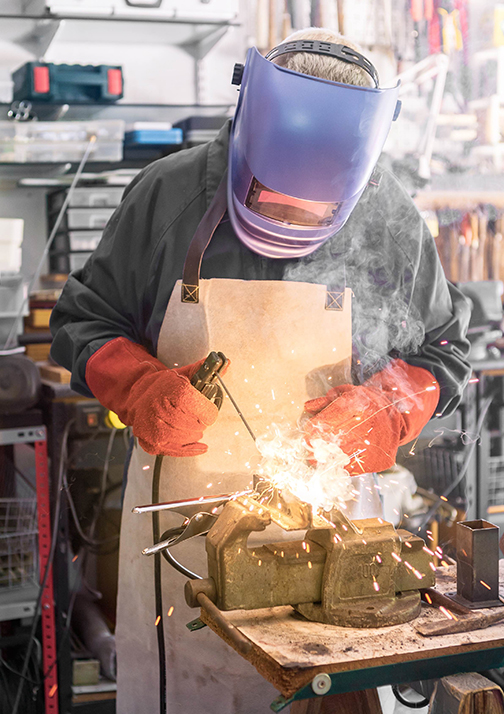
(302, 150)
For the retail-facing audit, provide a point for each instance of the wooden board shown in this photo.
(39, 317)
(288, 650)
(55, 373)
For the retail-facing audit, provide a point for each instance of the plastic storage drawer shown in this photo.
(86, 218)
(84, 240)
(108, 196)
(77, 260)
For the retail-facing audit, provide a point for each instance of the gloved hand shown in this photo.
(374, 419)
(167, 413)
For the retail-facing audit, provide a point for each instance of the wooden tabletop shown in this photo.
(289, 651)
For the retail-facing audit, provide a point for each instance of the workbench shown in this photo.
(289, 651)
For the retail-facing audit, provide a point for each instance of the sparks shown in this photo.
(365, 542)
(443, 498)
(443, 342)
(309, 564)
(376, 586)
(396, 557)
(170, 611)
(53, 690)
(272, 394)
(158, 620)
(446, 612)
(144, 468)
(445, 564)
(408, 545)
(428, 598)
(209, 485)
(432, 567)
(473, 381)
(428, 550)
(259, 562)
(485, 585)
(378, 558)
(75, 558)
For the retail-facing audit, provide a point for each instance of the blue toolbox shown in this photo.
(67, 83)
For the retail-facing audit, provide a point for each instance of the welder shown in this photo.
(288, 205)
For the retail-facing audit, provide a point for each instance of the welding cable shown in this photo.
(465, 465)
(173, 532)
(52, 551)
(158, 594)
(411, 705)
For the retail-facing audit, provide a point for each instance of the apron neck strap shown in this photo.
(201, 239)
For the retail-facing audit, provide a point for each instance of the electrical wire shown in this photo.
(173, 532)
(56, 516)
(465, 465)
(158, 593)
(89, 539)
(11, 338)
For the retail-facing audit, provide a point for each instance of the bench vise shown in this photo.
(352, 574)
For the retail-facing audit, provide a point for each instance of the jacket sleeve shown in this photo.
(444, 312)
(115, 293)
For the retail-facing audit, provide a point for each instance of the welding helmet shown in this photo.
(302, 149)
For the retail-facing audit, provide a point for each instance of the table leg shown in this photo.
(364, 702)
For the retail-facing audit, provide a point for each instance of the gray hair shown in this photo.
(321, 66)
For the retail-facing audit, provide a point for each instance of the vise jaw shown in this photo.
(367, 576)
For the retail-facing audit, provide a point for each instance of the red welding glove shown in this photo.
(374, 419)
(167, 413)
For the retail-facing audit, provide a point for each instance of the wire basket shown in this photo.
(18, 543)
(495, 481)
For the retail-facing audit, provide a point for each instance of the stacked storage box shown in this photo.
(81, 228)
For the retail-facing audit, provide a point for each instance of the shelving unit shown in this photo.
(36, 32)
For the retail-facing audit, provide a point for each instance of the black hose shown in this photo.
(171, 560)
(157, 588)
(411, 705)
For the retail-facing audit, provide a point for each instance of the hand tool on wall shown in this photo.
(465, 240)
(473, 261)
(483, 243)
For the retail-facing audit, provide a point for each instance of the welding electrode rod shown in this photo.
(236, 407)
(242, 644)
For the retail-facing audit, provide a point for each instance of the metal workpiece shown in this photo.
(477, 564)
(368, 576)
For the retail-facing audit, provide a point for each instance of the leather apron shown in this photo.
(287, 342)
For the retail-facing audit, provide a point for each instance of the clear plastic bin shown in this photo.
(84, 240)
(84, 218)
(12, 293)
(62, 131)
(53, 152)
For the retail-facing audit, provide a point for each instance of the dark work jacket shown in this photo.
(402, 304)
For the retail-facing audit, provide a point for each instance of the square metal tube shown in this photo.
(478, 562)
